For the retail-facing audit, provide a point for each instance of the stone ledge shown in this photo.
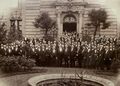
(35, 80)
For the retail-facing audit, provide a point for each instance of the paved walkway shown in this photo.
(21, 80)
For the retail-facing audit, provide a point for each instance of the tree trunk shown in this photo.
(46, 30)
(94, 33)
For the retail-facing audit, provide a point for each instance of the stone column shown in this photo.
(80, 22)
(59, 24)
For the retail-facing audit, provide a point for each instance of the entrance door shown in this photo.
(69, 27)
(69, 24)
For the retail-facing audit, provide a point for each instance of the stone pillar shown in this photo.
(80, 22)
(59, 24)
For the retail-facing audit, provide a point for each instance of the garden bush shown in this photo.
(115, 65)
(16, 63)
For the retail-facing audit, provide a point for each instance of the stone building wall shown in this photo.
(32, 8)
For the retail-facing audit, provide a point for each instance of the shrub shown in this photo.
(26, 63)
(16, 64)
(115, 65)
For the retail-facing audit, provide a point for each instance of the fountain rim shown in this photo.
(37, 79)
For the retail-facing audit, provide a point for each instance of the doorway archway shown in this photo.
(69, 23)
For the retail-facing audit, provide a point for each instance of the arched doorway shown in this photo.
(69, 23)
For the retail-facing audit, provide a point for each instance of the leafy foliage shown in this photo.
(115, 65)
(98, 19)
(14, 34)
(3, 32)
(44, 21)
(15, 64)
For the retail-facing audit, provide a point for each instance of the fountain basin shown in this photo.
(49, 79)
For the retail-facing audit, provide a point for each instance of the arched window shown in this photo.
(69, 19)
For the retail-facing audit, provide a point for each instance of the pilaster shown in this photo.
(60, 30)
(80, 23)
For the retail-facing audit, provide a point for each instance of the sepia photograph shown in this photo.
(59, 42)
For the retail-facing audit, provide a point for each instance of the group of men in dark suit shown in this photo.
(68, 51)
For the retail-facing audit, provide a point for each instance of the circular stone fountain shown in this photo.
(68, 80)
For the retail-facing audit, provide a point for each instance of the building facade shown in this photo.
(70, 15)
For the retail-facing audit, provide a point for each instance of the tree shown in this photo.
(3, 32)
(44, 21)
(98, 20)
(14, 34)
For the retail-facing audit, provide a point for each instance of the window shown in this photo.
(69, 19)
